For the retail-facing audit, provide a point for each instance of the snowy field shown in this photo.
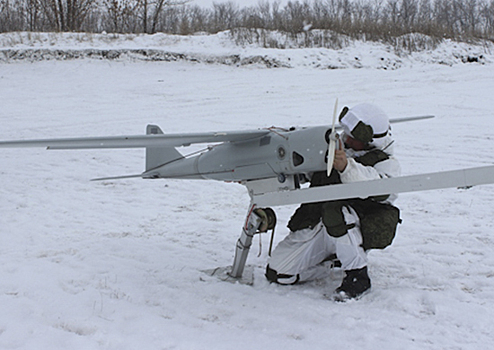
(118, 264)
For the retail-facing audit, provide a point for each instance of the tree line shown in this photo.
(362, 19)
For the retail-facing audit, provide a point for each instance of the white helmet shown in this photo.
(366, 123)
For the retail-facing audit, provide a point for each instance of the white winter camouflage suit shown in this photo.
(298, 257)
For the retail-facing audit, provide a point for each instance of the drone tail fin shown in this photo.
(157, 156)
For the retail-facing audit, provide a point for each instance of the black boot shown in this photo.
(354, 285)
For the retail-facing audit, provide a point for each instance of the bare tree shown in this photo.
(4, 13)
(408, 12)
(264, 15)
(32, 14)
(487, 13)
(120, 15)
(151, 10)
(297, 19)
(224, 16)
(66, 15)
(193, 19)
(470, 14)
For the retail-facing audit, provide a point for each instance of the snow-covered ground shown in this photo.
(118, 264)
(222, 48)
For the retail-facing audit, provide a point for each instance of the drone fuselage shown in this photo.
(278, 154)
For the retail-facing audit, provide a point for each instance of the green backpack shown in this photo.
(378, 222)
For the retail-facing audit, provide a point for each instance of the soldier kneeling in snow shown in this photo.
(345, 228)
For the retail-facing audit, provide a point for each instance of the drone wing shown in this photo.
(463, 178)
(138, 141)
(152, 139)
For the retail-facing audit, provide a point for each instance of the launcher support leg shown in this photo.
(252, 224)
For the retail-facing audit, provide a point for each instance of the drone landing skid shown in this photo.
(236, 273)
(258, 220)
(224, 274)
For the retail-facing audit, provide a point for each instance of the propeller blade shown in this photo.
(332, 140)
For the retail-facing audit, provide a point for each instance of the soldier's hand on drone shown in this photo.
(340, 160)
